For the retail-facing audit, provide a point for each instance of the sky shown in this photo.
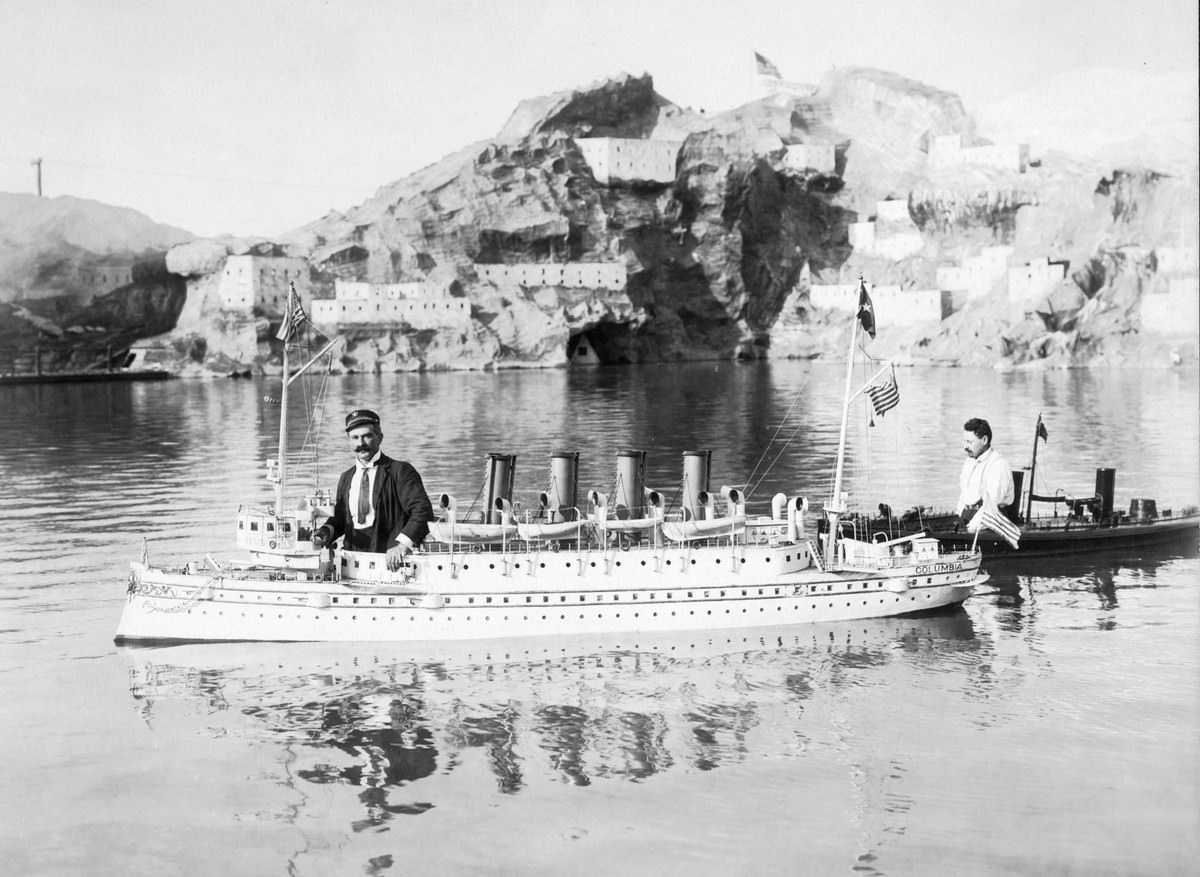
(254, 118)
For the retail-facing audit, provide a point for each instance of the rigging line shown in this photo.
(196, 176)
(750, 490)
(783, 420)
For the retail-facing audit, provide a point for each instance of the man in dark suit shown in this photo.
(381, 505)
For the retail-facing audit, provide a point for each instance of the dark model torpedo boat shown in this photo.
(1049, 524)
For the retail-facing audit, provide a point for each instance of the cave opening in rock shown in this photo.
(605, 344)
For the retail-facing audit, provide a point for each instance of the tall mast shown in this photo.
(834, 509)
(1037, 432)
(281, 483)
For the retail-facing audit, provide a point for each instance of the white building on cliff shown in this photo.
(947, 151)
(416, 304)
(248, 282)
(105, 276)
(812, 156)
(977, 276)
(1174, 310)
(893, 306)
(623, 160)
(891, 234)
(582, 275)
(1171, 305)
(1032, 282)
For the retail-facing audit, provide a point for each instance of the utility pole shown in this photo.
(37, 162)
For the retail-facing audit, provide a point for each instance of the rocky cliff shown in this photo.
(715, 258)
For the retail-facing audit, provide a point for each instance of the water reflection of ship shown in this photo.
(381, 720)
(1104, 574)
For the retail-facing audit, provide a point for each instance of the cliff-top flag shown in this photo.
(293, 315)
(765, 67)
(866, 310)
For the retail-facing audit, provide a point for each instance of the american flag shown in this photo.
(885, 396)
(293, 315)
(1000, 525)
(765, 67)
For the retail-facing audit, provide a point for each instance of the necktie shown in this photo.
(364, 497)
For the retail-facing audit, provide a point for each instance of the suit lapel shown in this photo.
(382, 470)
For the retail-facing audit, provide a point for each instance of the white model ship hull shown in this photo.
(481, 577)
(486, 595)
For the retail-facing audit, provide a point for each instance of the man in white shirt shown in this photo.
(986, 478)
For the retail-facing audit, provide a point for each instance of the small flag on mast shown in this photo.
(1041, 431)
(293, 315)
(884, 396)
(866, 310)
(765, 67)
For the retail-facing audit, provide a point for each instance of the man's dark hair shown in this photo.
(980, 427)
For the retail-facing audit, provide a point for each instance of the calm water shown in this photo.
(1047, 727)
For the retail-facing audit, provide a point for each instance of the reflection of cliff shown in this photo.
(386, 728)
